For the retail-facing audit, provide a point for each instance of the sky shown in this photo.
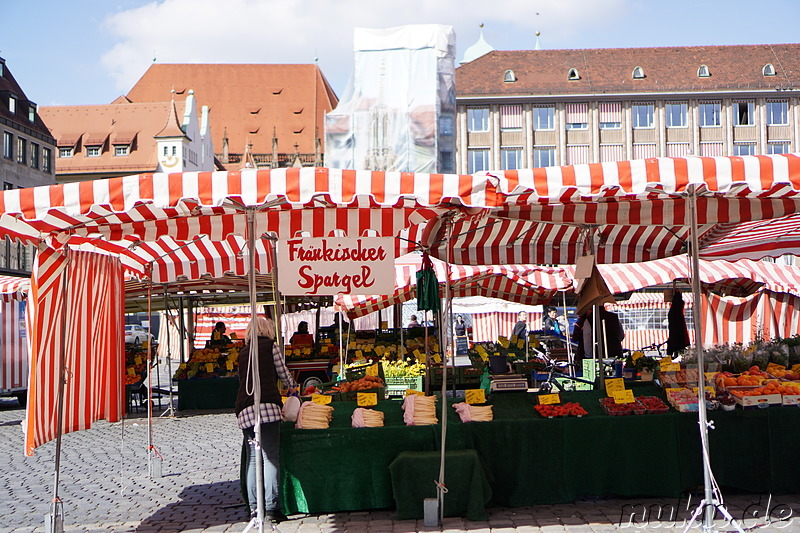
(92, 51)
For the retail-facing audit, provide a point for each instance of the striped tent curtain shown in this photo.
(765, 314)
(710, 149)
(610, 153)
(83, 294)
(644, 151)
(13, 349)
(610, 112)
(577, 154)
(677, 149)
(510, 117)
(577, 113)
(487, 327)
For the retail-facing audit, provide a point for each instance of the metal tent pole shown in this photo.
(445, 333)
(167, 325)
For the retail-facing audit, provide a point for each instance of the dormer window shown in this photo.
(638, 73)
(703, 72)
(509, 77)
(92, 151)
(65, 152)
(31, 112)
(121, 149)
(2, 68)
(768, 70)
(573, 74)
(12, 104)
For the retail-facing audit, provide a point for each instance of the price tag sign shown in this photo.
(359, 354)
(521, 343)
(322, 399)
(417, 353)
(666, 361)
(474, 396)
(670, 367)
(209, 367)
(673, 389)
(137, 360)
(366, 399)
(613, 385)
(708, 388)
(484, 356)
(131, 371)
(636, 356)
(623, 396)
(372, 370)
(412, 392)
(549, 399)
(502, 341)
(229, 365)
(437, 358)
(351, 345)
(710, 376)
(422, 358)
(379, 350)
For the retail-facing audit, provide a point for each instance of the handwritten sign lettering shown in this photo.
(366, 399)
(475, 396)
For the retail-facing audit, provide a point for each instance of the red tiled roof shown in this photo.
(249, 101)
(172, 128)
(120, 123)
(609, 70)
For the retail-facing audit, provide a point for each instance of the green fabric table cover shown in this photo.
(210, 393)
(413, 475)
(532, 460)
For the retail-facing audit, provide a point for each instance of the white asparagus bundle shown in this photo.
(474, 413)
(314, 416)
(420, 410)
(367, 418)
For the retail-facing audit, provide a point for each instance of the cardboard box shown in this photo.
(755, 402)
(790, 400)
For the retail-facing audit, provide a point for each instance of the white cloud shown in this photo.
(295, 31)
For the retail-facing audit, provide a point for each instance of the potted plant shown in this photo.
(646, 366)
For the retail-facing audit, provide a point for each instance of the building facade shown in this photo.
(265, 116)
(28, 159)
(539, 108)
(123, 138)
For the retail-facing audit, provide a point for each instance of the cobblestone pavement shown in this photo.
(105, 487)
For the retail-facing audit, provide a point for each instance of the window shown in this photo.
(121, 150)
(709, 114)
(446, 125)
(92, 151)
(777, 112)
(677, 149)
(642, 116)
(12, 104)
(65, 152)
(573, 74)
(577, 116)
(744, 148)
(478, 160)
(638, 73)
(644, 151)
(577, 154)
(610, 153)
(544, 156)
(2, 68)
(610, 115)
(446, 162)
(8, 186)
(8, 145)
(510, 117)
(710, 149)
(34, 155)
(780, 147)
(47, 160)
(510, 158)
(175, 151)
(768, 70)
(743, 113)
(166, 151)
(703, 72)
(676, 114)
(509, 77)
(477, 119)
(31, 112)
(544, 118)
(22, 150)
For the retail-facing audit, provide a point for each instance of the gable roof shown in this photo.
(8, 86)
(135, 125)
(248, 101)
(609, 70)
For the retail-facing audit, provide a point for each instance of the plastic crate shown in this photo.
(663, 408)
(635, 409)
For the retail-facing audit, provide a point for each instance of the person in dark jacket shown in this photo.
(270, 368)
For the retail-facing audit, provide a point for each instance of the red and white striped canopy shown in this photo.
(318, 201)
(13, 288)
(756, 240)
(527, 284)
(622, 212)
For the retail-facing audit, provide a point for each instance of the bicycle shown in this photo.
(546, 386)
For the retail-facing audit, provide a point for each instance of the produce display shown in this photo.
(567, 409)
(363, 384)
(786, 388)
(622, 409)
(474, 413)
(683, 400)
(135, 365)
(211, 363)
(419, 410)
(367, 418)
(314, 416)
(652, 404)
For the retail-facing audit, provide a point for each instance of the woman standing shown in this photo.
(270, 368)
